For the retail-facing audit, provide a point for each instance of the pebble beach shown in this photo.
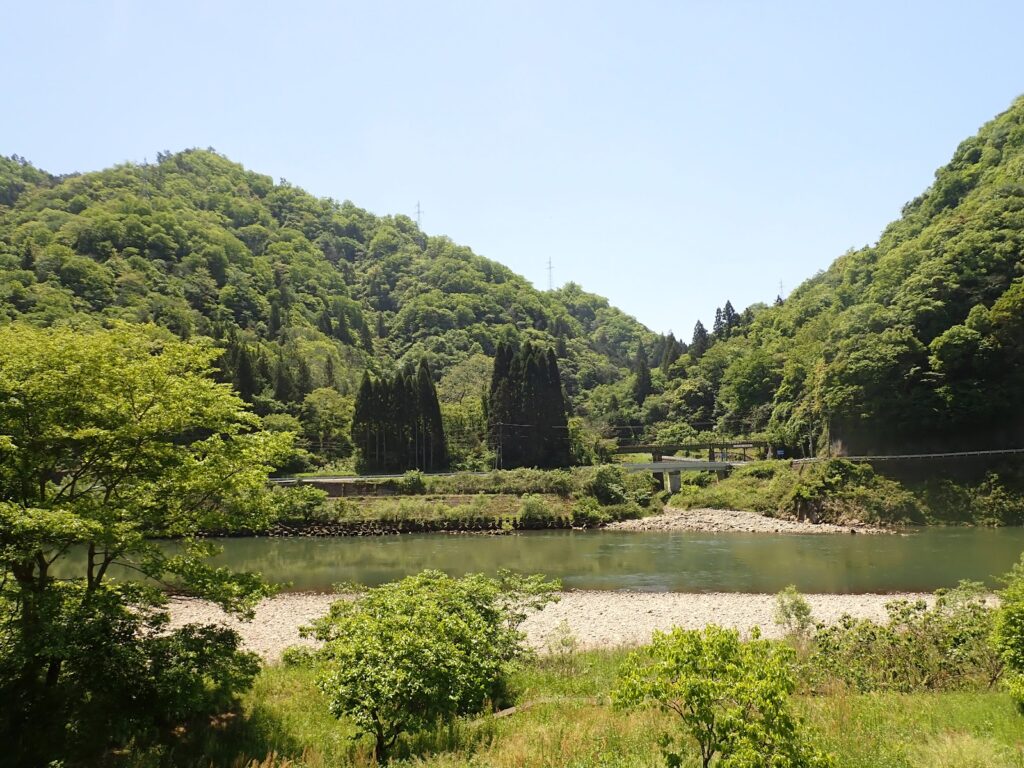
(595, 619)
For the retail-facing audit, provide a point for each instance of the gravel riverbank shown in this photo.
(596, 619)
(731, 520)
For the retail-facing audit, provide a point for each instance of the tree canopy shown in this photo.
(109, 439)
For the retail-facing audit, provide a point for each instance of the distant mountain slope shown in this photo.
(917, 341)
(313, 289)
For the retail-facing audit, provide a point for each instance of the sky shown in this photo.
(667, 155)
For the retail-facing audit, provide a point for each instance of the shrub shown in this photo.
(408, 655)
(731, 697)
(412, 483)
(608, 485)
(793, 614)
(943, 648)
(586, 513)
(533, 509)
(1009, 631)
(762, 470)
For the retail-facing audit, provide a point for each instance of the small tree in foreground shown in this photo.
(109, 439)
(732, 697)
(404, 656)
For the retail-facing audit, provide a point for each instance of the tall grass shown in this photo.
(563, 718)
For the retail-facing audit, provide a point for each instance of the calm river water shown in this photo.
(922, 560)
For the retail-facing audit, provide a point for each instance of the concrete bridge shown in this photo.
(672, 467)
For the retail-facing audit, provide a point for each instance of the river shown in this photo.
(921, 560)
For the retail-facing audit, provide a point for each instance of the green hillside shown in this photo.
(916, 342)
(304, 293)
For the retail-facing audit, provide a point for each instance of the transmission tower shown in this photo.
(419, 213)
(551, 283)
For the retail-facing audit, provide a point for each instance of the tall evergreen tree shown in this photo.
(526, 408)
(324, 322)
(275, 324)
(730, 318)
(700, 342)
(642, 376)
(718, 327)
(670, 353)
(284, 384)
(245, 375)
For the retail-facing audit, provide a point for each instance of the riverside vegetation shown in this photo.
(584, 497)
(932, 687)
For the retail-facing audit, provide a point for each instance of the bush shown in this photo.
(608, 485)
(533, 509)
(412, 483)
(731, 697)
(943, 648)
(586, 513)
(793, 614)
(300, 503)
(837, 490)
(406, 656)
(1008, 634)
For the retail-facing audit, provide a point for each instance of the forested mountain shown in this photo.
(304, 293)
(914, 342)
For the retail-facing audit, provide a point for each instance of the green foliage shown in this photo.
(534, 509)
(519, 481)
(793, 614)
(398, 425)
(1008, 633)
(835, 491)
(526, 409)
(404, 656)
(945, 647)
(300, 293)
(608, 485)
(730, 697)
(108, 439)
(587, 513)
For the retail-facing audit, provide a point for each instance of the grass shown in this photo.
(433, 508)
(565, 720)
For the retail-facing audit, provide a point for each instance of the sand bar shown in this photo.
(733, 520)
(596, 619)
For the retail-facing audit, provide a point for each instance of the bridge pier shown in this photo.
(674, 482)
(659, 477)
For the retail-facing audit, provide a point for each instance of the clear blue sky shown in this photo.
(666, 155)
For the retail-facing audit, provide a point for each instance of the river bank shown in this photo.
(595, 619)
(734, 520)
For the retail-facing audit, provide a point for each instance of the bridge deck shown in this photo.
(680, 465)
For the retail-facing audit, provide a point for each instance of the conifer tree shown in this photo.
(701, 341)
(526, 408)
(642, 376)
(245, 376)
(274, 324)
(284, 385)
(670, 353)
(324, 323)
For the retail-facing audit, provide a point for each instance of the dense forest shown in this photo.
(303, 294)
(916, 342)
